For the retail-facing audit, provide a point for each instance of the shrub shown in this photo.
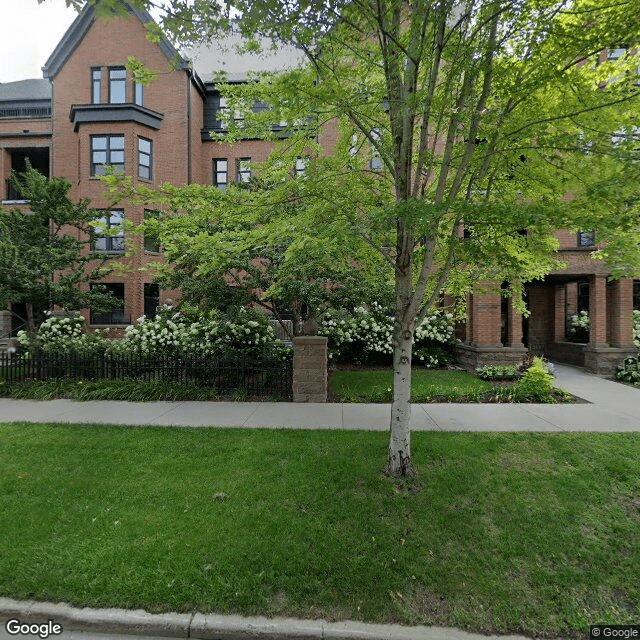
(170, 333)
(497, 372)
(365, 336)
(636, 329)
(63, 335)
(629, 371)
(536, 384)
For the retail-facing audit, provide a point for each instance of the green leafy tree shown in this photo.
(42, 264)
(462, 123)
(223, 251)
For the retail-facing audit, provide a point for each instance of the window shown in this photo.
(220, 173)
(376, 161)
(106, 151)
(138, 93)
(145, 148)
(151, 239)
(113, 316)
(243, 173)
(583, 297)
(301, 167)
(117, 85)
(96, 86)
(108, 235)
(586, 239)
(151, 299)
(616, 54)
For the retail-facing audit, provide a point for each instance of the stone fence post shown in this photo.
(310, 380)
(5, 324)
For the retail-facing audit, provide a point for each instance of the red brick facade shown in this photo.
(172, 118)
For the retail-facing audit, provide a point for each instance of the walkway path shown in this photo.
(609, 406)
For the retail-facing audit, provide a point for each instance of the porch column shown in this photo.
(621, 314)
(486, 318)
(559, 332)
(514, 326)
(598, 311)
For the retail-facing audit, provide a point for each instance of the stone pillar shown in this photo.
(514, 327)
(310, 378)
(559, 333)
(5, 324)
(598, 311)
(621, 314)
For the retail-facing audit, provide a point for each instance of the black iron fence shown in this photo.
(230, 375)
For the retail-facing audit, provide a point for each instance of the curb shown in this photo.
(220, 627)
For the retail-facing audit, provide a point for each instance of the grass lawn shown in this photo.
(377, 385)
(535, 533)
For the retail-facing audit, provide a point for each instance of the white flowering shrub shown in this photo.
(169, 333)
(580, 325)
(581, 321)
(248, 332)
(366, 336)
(62, 335)
(636, 328)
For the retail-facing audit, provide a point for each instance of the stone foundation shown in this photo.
(566, 353)
(310, 378)
(603, 361)
(471, 357)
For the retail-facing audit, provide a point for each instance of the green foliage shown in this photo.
(133, 390)
(41, 262)
(629, 371)
(536, 384)
(497, 372)
(636, 328)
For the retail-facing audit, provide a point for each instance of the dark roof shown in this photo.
(35, 89)
(79, 28)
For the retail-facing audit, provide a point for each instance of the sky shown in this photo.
(29, 32)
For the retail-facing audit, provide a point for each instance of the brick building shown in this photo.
(88, 112)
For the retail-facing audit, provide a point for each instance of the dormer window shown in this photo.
(117, 85)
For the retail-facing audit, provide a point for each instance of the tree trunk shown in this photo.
(31, 322)
(399, 463)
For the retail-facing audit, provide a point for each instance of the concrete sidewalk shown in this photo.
(609, 406)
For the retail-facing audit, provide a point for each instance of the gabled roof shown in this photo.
(76, 32)
(35, 89)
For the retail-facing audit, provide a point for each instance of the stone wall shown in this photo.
(471, 356)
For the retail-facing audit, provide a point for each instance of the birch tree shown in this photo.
(468, 131)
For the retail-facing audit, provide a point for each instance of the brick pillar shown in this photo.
(598, 311)
(469, 325)
(560, 327)
(514, 327)
(621, 314)
(310, 379)
(486, 320)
